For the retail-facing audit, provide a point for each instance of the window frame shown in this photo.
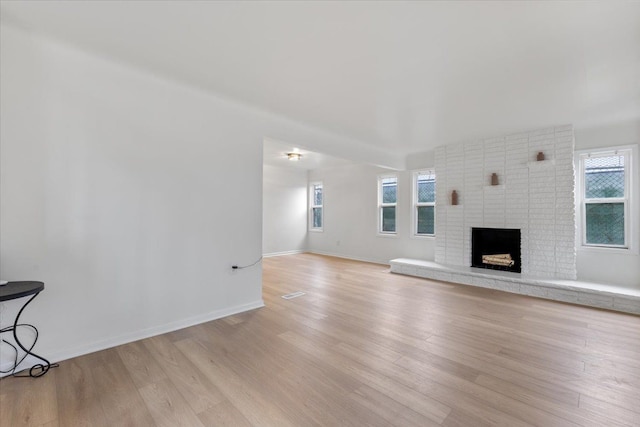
(382, 205)
(417, 204)
(630, 214)
(312, 206)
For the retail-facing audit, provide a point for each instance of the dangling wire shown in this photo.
(240, 267)
(15, 349)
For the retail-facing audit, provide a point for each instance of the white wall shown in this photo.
(119, 191)
(129, 195)
(605, 266)
(350, 217)
(622, 133)
(284, 210)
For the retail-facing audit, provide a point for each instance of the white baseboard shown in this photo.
(136, 335)
(272, 254)
(371, 260)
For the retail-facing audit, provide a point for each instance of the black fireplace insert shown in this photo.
(496, 248)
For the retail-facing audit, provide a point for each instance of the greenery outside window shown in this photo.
(424, 203)
(316, 202)
(604, 198)
(387, 203)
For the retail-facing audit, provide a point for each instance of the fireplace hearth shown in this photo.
(496, 249)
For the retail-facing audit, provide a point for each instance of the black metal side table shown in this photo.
(14, 290)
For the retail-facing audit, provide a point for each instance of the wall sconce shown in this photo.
(294, 157)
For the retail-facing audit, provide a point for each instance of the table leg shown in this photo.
(39, 369)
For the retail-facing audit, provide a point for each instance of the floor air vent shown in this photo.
(293, 295)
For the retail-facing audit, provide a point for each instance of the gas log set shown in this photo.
(498, 259)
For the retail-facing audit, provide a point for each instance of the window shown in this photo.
(424, 203)
(315, 210)
(387, 201)
(604, 198)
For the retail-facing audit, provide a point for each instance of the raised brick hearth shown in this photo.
(573, 291)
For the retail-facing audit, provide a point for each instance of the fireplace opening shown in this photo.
(496, 249)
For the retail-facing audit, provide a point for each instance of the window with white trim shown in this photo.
(387, 203)
(604, 198)
(424, 203)
(316, 201)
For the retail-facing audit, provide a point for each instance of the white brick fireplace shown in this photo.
(536, 197)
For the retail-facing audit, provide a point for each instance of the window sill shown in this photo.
(316, 230)
(608, 250)
(388, 235)
(423, 236)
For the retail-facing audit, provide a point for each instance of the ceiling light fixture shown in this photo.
(294, 157)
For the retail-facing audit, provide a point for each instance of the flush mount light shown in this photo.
(294, 157)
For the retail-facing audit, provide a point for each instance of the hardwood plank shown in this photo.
(7, 403)
(324, 395)
(458, 418)
(507, 404)
(389, 409)
(430, 408)
(118, 395)
(361, 347)
(223, 414)
(52, 423)
(305, 386)
(534, 399)
(142, 368)
(196, 389)
(257, 408)
(455, 398)
(38, 404)
(610, 411)
(167, 406)
(78, 395)
(495, 364)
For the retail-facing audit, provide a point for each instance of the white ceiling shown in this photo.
(403, 77)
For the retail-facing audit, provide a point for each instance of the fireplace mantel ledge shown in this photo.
(573, 291)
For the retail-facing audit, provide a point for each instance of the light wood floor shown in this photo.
(362, 347)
